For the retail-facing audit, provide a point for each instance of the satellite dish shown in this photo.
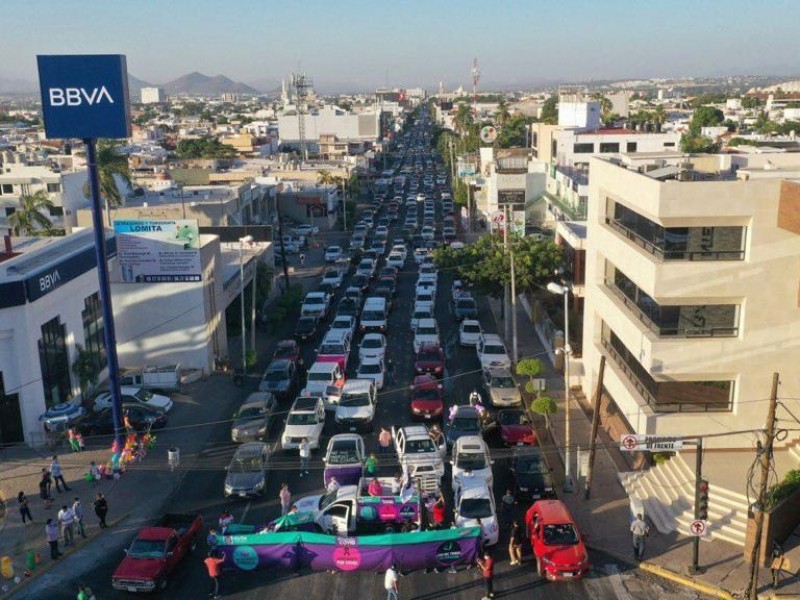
(488, 134)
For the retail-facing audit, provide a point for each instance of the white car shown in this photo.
(423, 300)
(400, 249)
(426, 286)
(374, 369)
(306, 230)
(315, 304)
(429, 271)
(492, 352)
(471, 460)
(382, 230)
(344, 323)
(333, 278)
(306, 419)
(373, 345)
(427, 332)
(134, 395)
(333, 253)
(428, 233)
(469, 332)
(457, 288)
(424, 312)
(396, 260)
(474, 500)
(420, 254)
(366, 267)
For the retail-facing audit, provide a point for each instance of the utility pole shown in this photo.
(253, 307)
(506, 294)
(598, 397)
(758, 507)
(698, 511)
(283, 249)
(515, 353)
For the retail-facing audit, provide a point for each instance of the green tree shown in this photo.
(545, 406)
(530, 368)
(325, 177)
(751, 102)
(204, 147)
(87, 367)
(549, 112)
(502, 114)
(463, 119)
(29, 219)
(705, 116)
(514, 133)
(698, 144)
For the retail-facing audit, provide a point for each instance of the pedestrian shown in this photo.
(333, 486)
(225, 521)
(438, 512)
(100, 506)
(77, 509)
(371, 465)
(72, 440)
(67, 520)
(51, 531)
(389, 371)
(81, 447)
(515, 543)
(486, 565)
(58, 476)
(94, 472)
(390, 583)
(479, 523)
(301, 370)
(507, 504)
(302, 259)
(211, 540)
(85, 593)
(778, 563)
(639, 531)
(397, 483)
(384, 441)
(305, 454)
(24, 509)
(286, 499)
(214, 566)
(45, 484)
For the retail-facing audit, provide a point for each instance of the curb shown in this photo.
(705, 588)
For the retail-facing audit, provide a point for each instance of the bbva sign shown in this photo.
(85, 96)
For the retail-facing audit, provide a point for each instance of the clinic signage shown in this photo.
(85, 96)
(158, 250)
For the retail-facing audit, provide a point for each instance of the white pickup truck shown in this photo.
(420, 456)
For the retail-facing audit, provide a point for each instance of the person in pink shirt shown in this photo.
(286, 499)
(375, 488)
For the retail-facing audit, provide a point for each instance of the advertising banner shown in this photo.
(158, 251)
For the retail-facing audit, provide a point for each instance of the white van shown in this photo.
(373, 317)
(325, 379)
(356, 408)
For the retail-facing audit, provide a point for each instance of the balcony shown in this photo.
(512, 165)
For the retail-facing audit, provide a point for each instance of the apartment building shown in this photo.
(359, 129)
(691, 291)
(507, 178)
(153, 95)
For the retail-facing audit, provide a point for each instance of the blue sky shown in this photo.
(417, 42)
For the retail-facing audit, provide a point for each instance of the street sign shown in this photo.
(85, 96)
(699, 528)
(634, 442)
(488, 134)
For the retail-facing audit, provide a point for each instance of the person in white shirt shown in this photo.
(639, 530)
(390, 583)
(305, 454)
(333, 485)
(66, 518)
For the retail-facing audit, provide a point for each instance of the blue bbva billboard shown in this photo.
(85, 96)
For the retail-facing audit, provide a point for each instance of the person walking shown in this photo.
(67, 520)
(286, 499)
(371, 465)
(384, 441)
(100, 506)
(302, 259)
(486, 565)
(305, 455)
(639, 530)
(77, 509)
(214, 566)
(390, 583)
(24, 509)
(507, 504)
(52, 533)
(439, 512)
(45, 484)
(515, 543)
(58, 476)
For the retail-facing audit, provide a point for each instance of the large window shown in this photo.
(632, 146)
(609, 147)
(10, 417)
(6, 188)
(668, 396)
(93, 331)
(54, 362)
(583, 148)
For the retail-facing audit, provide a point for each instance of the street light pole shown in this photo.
(555, 288)
(242, 241)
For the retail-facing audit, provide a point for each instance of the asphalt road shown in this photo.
(201, 490)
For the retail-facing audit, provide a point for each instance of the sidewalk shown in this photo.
(605, 517)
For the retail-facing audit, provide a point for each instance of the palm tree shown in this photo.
(502, 114)
(111, 165)
(28, 218)
(325, 177)
(463, 118)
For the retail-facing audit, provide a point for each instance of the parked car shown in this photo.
(335, 347)
(502, 388)
(140, 416)
(316, 304)
(469, 332)
(253, 419)
(492, 352)
(344, 459)
(280, 379)
(465, 421)
(247, 471)
(134, 395)
(333, 253)
(515, 428)
(288, 349)
(464, 307)
(424, 312)
(306, 230)
(306, 419)
(349, 307)
(474, 500)
(374, 369)
(556, 541)
(344, 323)
(532, 478)
(427, 332)
(373, 345)
(332, 279)
(429, 360)
(326, 380)
(471, 460)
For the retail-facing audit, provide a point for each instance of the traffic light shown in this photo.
(702, 499)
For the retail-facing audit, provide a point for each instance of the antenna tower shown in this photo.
(476, 77)
(302, 87)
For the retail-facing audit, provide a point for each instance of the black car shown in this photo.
(532, 479)
(360, 281)
(280, 379)
(139, 416)
(388, 282)
(464, 307)
(349, 307)
(306, 328)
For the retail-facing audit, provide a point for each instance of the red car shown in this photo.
(515, 428)
(426, 398)
(429, 360)
(288, 349)
(557, 544)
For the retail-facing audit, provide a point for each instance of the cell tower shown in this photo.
(302, 86)
(476, 77)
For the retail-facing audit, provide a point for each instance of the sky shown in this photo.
(409, 42)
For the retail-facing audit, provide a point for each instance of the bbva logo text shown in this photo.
(77, 96)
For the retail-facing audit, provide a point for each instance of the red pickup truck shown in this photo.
(155, 552)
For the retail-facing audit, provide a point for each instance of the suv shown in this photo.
(335, 347)
(492, 352)
(315, 304)
(556, 542)
(356, 408)
(280, 379)
(306, 419)
(253, 419)
(464, 307)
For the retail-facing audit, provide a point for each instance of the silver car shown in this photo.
(252, 421)
(503, 390)
(247, 473)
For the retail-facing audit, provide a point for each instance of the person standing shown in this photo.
(305, 455)
(58, 476)
(214, 567)
(515, 543)
(225, 521)
(67, 520)
(371, 465)
(302, 259)
(301, 370)
(51, 531)
(45, 484)
(286, 499)
(639, 531)
(24, 509)
(384, 441)
(486, 565)
(438, 512)
(507, 503)
(95, 473)
(390, 583)
(100, 506)
(211, 541)
(333, 486)
(77, 508)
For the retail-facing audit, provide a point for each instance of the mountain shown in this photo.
(266, 86)
(197, 84)
(135, 86)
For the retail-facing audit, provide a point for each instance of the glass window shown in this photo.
(93, 332)
(53, 188)
(609, 147)
(583, 148)
(631, 146)
(6, 188)
(54, 363)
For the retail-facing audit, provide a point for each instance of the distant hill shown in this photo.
(197, 84)
(135, 86)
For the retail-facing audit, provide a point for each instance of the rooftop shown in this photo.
(34, 253)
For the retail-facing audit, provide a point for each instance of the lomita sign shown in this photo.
(85, 96)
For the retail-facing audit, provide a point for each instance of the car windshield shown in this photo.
(331, 349)
(502, 381)
(326, 500)
(492, 349)
(343, 453)
(420, 446)
(313, 301)
(285, 351)
(275, 375)
(513, 417)
(472, 328)
(422, 394)
(424, 298)
(560, 535)
(319, 376)
(251, 412)
(301, 419)
(465, 304)
(357, 399)
(428, 355)
(342, 324)
(143, 395)
(529, 464)
(373, 315)
(245, 465)
(372, 343)
(475, 508)
(422, 330)
(370, 369)
(146, 549)
(465, 424)
(471, 460)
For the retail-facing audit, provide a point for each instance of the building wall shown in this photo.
(769, 322)
(329, 120)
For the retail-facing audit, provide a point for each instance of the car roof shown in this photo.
(305, 404)
(467, 411)
(474, 487)
(492, 337)
(372, 335)
(316, 294)
(358, 385)
(470, 442)
(426, 323)
(553, 511)
(425, 380)
(470, 322)
(279, 364)
(429, 345)
(499, 372)
(256, 398)
(323, 367)
(335, 335)
(250, 449)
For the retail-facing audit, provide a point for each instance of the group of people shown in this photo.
(69, 521)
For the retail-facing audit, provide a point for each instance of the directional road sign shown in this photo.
(635, 442)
